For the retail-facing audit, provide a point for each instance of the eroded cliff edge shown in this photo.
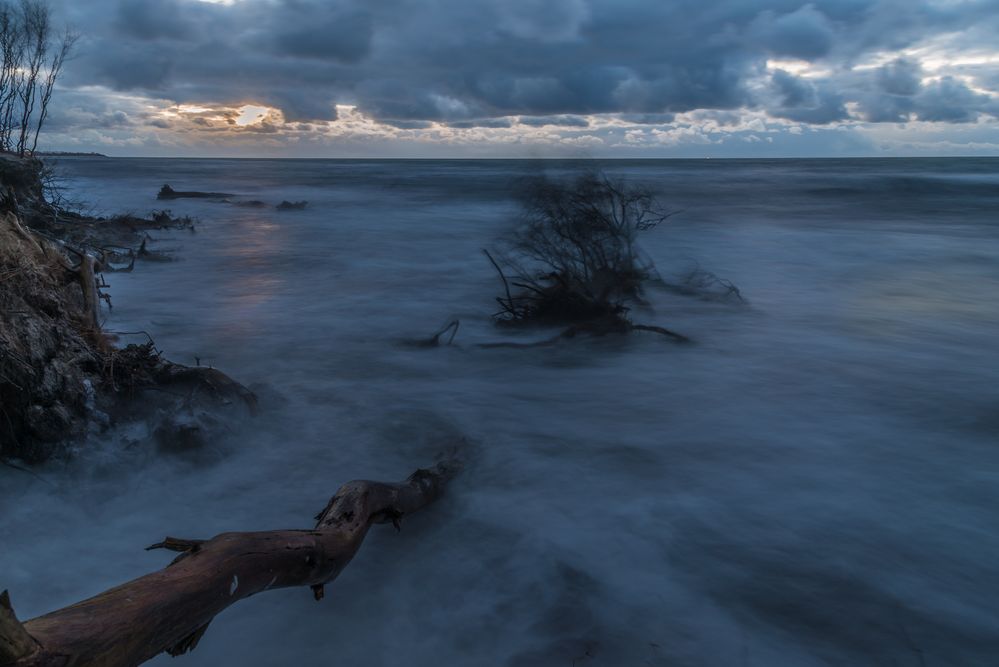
(61, 376)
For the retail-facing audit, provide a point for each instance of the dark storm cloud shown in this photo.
(481, 122)
(950, 101)
(900, 77)
(647, 118)
(561, 121)
(901, 95)
(458, 61)
(299, 104)
(321, 32)
(410, 124)
(806, 102)
(794, 92)
(141, 20)
(805, 33)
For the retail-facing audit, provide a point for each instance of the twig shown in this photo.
(506, 285)
(680, 338)
(451, 326)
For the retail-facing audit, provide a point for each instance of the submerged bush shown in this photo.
(574, 257)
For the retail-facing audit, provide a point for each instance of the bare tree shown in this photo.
(574, 255)
(33, 59)
(12, 51)
(36, 17)
(63, 49)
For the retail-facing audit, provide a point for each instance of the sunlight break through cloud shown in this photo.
(507, 77)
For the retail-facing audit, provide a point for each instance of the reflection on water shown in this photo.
(816, 481)
(250, 273)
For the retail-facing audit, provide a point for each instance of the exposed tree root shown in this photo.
(573, 260)
(605, 326)
(574, 255)
(148, 255)
(598, 328)
(436, 340)
(59, 374)
(704, 285)
(171, 609)
(679, 338)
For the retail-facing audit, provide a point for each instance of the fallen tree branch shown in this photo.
(169, 610)
(679, 338)
(508, 305)
(617, 326)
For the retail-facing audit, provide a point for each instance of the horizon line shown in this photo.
(95, 154)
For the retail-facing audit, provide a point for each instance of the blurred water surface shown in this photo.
(815, 482)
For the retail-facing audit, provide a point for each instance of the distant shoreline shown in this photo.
(524, 159)
(68, 154)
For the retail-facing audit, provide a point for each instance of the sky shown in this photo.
(529, 78)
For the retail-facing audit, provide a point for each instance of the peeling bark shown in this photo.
(170, 610)
(15, 642)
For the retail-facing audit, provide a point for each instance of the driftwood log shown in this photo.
(170, 610)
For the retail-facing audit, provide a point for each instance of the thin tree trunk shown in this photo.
(169, 610)
(88, 284)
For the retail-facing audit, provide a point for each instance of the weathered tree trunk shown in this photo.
(169, 610)
(88, 283)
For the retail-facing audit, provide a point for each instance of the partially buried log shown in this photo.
(169, 610)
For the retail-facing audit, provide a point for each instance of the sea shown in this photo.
(813, 481)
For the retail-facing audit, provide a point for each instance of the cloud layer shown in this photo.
(502, 71)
